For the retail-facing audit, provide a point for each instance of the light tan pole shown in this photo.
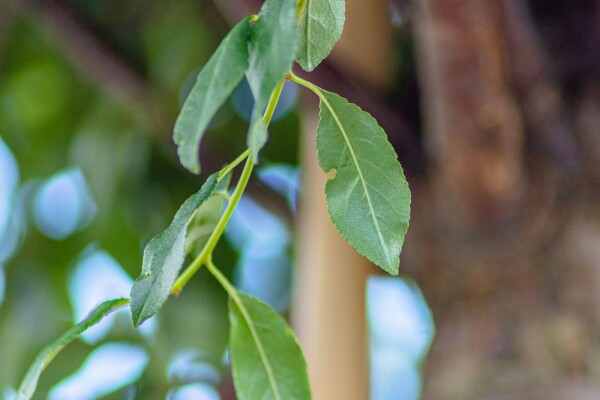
(329, 312)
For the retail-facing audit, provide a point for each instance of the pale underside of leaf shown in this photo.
(319, 29)
(267, 361)
(368, 199)
(29, 384)
(272, 49)
(163, 258)
(214, 85)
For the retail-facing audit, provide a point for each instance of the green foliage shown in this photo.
(320, 27)
(273, 44)
(214, 85)
(163, 259)
(207, 217)
(261, 342)
(173, 42)
(30, 381)
(368, 199)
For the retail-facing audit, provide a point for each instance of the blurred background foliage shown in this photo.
(493, 108)
(89, 174)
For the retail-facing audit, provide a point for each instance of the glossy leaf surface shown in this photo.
(319, 29)
(273, 46)
(267, 362)
(368, 199)
(29, 384)
(214, 85)
(163, 258)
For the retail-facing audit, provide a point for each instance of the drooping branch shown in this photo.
(392, 119)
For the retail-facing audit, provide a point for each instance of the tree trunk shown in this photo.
(505, 231)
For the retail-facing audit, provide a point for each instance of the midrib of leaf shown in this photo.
(360, 174)
(240, 305)
(259, 345)
(308, 19)
(48, 353)
(161, 272)
(211, 85)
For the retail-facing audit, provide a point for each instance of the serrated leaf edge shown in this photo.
(362, 180)
(138, 321)
(259, 345)
(308, 66)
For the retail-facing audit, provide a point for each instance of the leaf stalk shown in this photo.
(204, 257)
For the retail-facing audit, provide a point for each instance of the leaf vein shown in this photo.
(358, 169)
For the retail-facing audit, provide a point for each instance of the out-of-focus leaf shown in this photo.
(207, 217)
(319, 29)
(368, 199)
(215, 83)
(163, 258)
(176, 40)
(273, 44)
(108, 368)
(266, 360)
(29, 384)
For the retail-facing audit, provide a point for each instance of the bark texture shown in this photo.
(505, 232)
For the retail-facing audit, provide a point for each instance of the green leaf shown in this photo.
(319, 29)
(214, 84)
(368, 199)
(29, 384)
(273, 43)
(163, 258)
(266, 360)
(206, 217)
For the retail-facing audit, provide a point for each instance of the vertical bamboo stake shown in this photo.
(329, 313)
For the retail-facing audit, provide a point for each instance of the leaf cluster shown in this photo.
(368, 198)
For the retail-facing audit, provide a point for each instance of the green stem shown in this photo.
(273, 102)
(210, 245)
(233, 294)
(233, 164)
(312, 87)
(213, 239)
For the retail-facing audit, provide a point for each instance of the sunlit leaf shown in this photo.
(215, 83)
(266, 360)
(163, 258)
(273, 46)
(368, 199)
(28, 386)
(319, 29)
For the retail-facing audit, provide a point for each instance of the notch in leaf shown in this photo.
(368, 199)
(163, 258)
(215, 83)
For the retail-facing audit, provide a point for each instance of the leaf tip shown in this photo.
(189, 163)
(392, 269)
(306, 66)
(135, 316)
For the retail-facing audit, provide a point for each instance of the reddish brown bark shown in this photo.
(509, 257)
